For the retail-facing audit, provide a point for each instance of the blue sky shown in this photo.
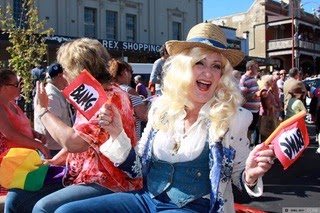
(218, 8)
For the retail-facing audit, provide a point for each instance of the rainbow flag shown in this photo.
(22, 168)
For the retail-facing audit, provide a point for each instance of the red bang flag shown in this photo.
(86, 94)
(290, 139)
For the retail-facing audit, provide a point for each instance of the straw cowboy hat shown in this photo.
(209, 36)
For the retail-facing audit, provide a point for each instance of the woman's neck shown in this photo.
(191, 117)
(8, 103)
(4, 100)
(122, 81)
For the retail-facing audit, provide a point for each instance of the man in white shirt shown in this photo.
(280, 83)
(58, 104)
(156, 73)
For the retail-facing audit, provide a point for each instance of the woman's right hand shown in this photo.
(41, 99)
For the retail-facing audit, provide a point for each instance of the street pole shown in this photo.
(292, 32)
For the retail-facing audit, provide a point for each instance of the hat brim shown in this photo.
(175, 47)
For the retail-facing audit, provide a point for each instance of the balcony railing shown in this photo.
(280, 44)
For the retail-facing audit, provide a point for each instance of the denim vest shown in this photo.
(166, 177)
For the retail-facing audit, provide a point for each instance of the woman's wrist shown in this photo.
(250, 181)
(42, 112)
(115, 134)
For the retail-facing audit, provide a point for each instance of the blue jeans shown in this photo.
(19, 200)
(132, 202)
(69, 194)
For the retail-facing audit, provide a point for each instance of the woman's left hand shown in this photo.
(259, 161)
(41, 99)
(108, 117)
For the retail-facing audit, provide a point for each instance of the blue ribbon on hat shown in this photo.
(204, 40)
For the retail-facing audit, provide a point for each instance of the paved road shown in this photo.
(297, 188)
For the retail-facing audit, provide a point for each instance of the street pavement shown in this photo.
(296, 189)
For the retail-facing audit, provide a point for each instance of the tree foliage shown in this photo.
(27, 39)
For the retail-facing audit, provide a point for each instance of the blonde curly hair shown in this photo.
(176, 86)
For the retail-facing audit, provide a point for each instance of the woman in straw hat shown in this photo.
(195, 143)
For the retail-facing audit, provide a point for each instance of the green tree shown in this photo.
(27, 39)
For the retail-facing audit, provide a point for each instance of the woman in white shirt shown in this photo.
(195, 144)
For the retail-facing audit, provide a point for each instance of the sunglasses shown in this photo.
(17, 85)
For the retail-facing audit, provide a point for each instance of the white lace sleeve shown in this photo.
(117, 150)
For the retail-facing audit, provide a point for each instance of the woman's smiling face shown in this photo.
(206, 75)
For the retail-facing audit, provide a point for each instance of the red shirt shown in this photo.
(20, 122)
(92, 166)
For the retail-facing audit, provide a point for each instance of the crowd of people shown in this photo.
(182, 152)
(276, 96)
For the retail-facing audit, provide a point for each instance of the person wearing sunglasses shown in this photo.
(15, 126)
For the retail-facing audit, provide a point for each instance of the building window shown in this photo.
(89, 22)
(131, 27)
(19, 14)
(111, 25)
(176, 30)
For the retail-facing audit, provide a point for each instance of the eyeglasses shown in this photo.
(17, 85)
